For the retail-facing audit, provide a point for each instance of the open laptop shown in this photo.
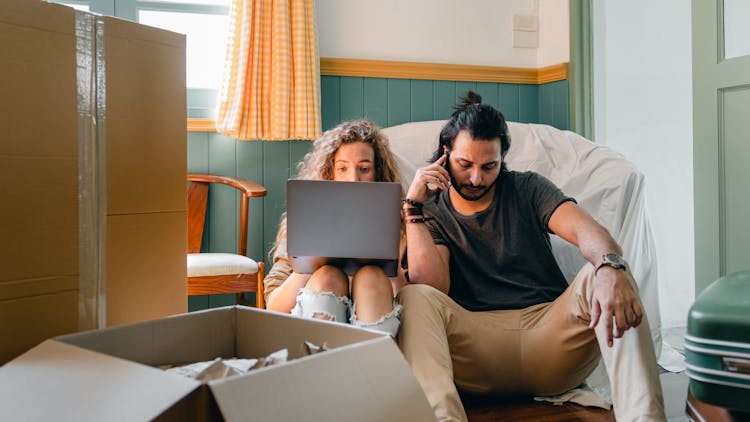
(345, 224)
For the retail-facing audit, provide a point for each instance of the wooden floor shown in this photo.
(674, 386)
(490, 409)
(486, 409)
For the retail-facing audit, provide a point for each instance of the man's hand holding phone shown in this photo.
(430, 180)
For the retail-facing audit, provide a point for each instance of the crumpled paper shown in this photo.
(223, 368)
(581, 395)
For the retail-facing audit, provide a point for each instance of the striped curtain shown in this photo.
(271, 86)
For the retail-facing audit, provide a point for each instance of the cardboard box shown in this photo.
(93, 186)
(109, 375)
(145, 165)
(38, 175)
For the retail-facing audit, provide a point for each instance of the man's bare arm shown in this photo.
(614, 296)
(428, 262)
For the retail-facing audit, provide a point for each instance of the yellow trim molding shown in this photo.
(201, 125)
(428, 71)
(554, 73)
(441, 72)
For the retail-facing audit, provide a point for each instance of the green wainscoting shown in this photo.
(390, 102)
(387, 102)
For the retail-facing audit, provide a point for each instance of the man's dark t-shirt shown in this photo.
(501, 258)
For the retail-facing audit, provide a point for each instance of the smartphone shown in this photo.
(445, 166)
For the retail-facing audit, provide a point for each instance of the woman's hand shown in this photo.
(428, 180)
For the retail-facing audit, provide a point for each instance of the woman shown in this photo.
(355, 151)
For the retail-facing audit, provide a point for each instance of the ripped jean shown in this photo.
(327, 306)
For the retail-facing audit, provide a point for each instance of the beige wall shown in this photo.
(477, 32)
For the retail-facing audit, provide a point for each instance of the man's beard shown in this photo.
(479, 191)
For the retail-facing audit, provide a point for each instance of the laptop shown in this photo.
(345, 224)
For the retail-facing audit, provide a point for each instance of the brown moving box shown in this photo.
(93, 115)
(109, 375)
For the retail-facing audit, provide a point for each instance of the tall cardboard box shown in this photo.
(146, 164)
(92, 170)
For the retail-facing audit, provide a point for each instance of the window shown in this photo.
(204, 22)
(206, 41)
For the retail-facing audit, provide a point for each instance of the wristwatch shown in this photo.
(613, 260)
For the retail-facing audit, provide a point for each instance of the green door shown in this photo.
(721, 138)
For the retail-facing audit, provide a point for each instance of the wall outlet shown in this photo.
(525, 39)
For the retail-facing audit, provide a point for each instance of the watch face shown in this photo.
(614, 259)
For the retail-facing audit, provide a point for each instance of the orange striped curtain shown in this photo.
(271, 86)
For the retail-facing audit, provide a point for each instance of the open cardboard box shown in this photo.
(110, 374)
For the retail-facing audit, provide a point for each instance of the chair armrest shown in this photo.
(249, 188)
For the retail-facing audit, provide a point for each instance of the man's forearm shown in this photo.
(596, 241)
(573, 224)
(426, 265)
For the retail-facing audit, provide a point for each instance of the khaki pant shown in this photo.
(544, 349)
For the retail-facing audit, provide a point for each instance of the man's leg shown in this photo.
(447, 345)
(631, 362)
(631, 366)
(424, 342)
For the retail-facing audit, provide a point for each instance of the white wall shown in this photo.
(643, 108)
(554, 32)
(476, 32)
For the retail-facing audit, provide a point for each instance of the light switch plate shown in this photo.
(529, 23)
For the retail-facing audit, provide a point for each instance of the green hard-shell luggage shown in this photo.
(717, 344)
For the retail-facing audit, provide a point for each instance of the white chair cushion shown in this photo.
(211, 264)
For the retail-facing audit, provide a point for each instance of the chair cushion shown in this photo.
(212, 264)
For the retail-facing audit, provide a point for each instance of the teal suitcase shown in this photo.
(717, 344)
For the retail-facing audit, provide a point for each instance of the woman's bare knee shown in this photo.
(329, 279)
(372, 293)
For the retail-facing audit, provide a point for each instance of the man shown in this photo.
(488, 309)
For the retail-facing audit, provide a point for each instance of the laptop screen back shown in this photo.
(345, 224)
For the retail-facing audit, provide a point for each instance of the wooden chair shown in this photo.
(215, 273)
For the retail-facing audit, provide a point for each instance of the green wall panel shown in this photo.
(297, 151)
(546, 104)
(276, 169)
(197, 303)
(508, 101)
(376, 100)
(217, 301)
(528, 104)
(352, 96)
(330, 101)
(561, 114)
(488, 91)
(399, 101)
(463, 87)
(386, 101)
(445, 98)
(421, 100)
(197, 152)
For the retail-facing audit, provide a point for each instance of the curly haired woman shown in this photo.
(352, 151)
